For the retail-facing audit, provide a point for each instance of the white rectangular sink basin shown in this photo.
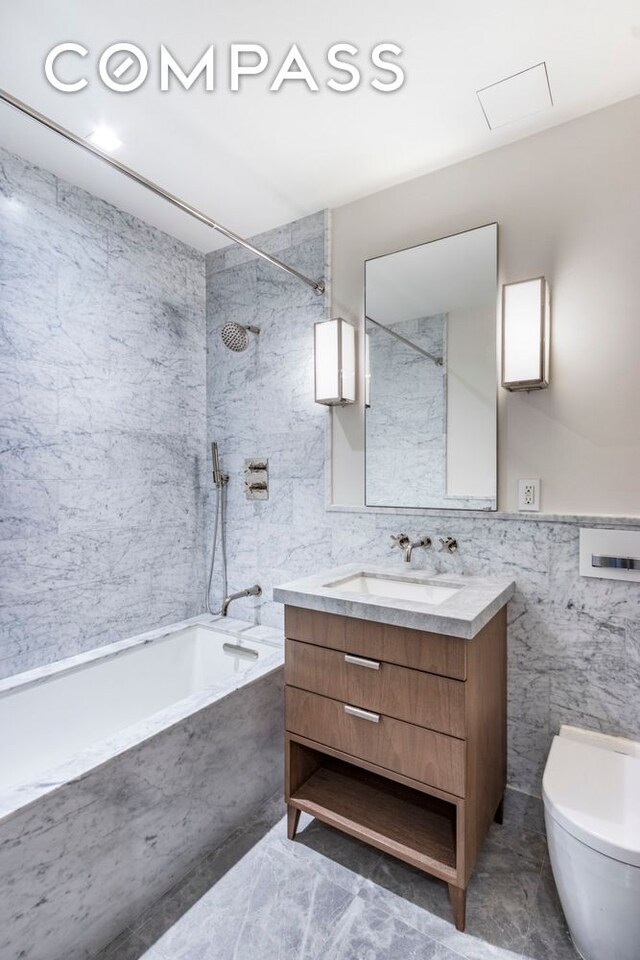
(392, 589)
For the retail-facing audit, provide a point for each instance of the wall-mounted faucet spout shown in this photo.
(407, 545)
(255, 591)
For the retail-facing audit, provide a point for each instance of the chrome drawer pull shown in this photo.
(362, 662)
(363, 714)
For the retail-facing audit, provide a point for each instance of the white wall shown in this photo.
(471, 404)
(567, 202)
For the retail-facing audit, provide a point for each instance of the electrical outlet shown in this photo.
(529, 495)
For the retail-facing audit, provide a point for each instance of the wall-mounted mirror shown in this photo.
(430, 374)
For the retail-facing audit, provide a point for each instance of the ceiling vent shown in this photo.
(516, 97)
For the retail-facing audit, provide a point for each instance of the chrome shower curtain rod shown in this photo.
(317, 285)
(414, 346)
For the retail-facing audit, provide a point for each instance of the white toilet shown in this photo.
(591, 792)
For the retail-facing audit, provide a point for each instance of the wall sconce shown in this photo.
(525, 335)
(335, 362)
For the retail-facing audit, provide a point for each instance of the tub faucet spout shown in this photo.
(254, 591)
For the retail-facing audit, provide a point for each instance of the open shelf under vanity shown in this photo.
(398, 819)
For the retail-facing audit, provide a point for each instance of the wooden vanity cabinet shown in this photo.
(398, 737)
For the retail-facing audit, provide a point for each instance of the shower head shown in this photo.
(236, 337)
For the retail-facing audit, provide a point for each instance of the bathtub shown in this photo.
(120, 767)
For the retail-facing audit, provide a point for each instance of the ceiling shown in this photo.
(256, 159)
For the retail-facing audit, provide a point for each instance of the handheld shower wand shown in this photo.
(219, 478)
(220, 481)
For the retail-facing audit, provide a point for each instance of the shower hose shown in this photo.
(218, 528)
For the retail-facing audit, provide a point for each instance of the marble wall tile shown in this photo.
(406, 423)
(159, 456)
(259, 400)
(528, 743)
(28, 392)
(42, 625)
(86, 208)
(95, 396)
(182, 500)
(34, 451)
(83, 319)
(47, 564)
(306, 228)
(32, 231)
(102, 419)
(155, 324)
(217, 259)
(19, 177)
(154, 259)
(632, 646)
(27, 291)
(186, 581)
(235, 290)
(28, 509)
(103, 502)
(272, 241)
(608, 696)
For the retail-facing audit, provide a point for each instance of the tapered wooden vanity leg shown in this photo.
(458, 898)
(293, 817)
(498, 816)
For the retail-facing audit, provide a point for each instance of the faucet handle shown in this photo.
(449, 544)
(399, 540)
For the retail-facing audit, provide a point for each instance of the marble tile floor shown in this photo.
(261, 897)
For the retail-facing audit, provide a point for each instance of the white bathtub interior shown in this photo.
(43, 724)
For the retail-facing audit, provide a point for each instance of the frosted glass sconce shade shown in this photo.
(525, 335)
(335, 362)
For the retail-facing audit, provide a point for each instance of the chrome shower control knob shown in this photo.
(449, 544)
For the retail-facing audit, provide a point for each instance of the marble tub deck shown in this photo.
(329, 897)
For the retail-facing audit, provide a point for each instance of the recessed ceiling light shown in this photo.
(516, 97)
(105, 139)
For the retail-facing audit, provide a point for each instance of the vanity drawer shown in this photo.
(432, 652)
(421, 698)
(432, 758)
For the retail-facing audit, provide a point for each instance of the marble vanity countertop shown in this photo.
(464, 614)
